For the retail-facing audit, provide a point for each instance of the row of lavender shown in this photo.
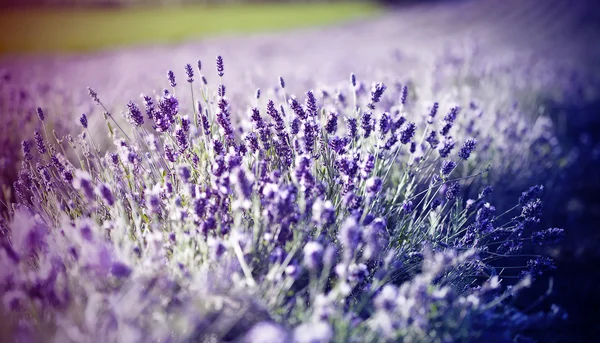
(346, 215)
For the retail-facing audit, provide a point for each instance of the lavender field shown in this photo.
(428, 174)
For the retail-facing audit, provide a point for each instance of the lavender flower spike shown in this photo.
(220, 66)
(171, 77)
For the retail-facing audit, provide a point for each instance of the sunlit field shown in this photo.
(68, 30)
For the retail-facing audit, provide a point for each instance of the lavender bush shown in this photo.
(345, 214)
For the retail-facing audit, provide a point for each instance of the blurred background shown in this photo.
(114, 45)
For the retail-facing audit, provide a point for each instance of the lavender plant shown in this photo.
(323, 219)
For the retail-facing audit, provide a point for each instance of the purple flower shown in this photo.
(185, 123)
(467, 148)
(551, 235)
(369, 165)
(40, 113)
(281, 82)
(245, 184)
(452, 191)
(26, 147)
(450, 117)
(220, 66)
(149, 106)
(338, 144)
(185, 174)
(93, 95)
(447, 167)
(221, 90)
(135, 115)
(485, 192)
(297, 108)
(407, 132)
(311, 104)
(252, 141)
(433, 112)
(170, 154)
(332, 122)
(404, 95)
(120, 270)
(199, 64)
(257, 95)
(353, 79)
(84, 183)
(530, 195)
(83, 120)
(218, 147)
(407, 206)
(390, 142)
(385, 123)
(376, 93)
(171, 77)
(39, 142)
(106, 194)
(532, 211)
(536, 267)
(366, 123)
(351, 127)
(432, 140)
(373, 185)
(190, 72)
(181, 138)
(446, 147)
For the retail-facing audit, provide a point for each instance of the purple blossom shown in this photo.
(171, 77)
(551, 235)
(432, 140)
(376, 93)
(373, 185)
(221, 90)
(530, 195)
(433, 112)
(105, 193)
(332, 122)
(407, 132)
(135, 115)
(220, 66)
(467, 148)
(404, 95)
(120, 270)
(39, 142)
(447, 167)
(351, 127)
(297, 108)
(281, 82)
(390, 142)
(83, 120)
(367, 124)
(26, 148)
(40, 113)
(311, 104)
(407, 206)
(385, 123)
(447, 147)
(452, 191)
(189, 71)
(450, 117)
